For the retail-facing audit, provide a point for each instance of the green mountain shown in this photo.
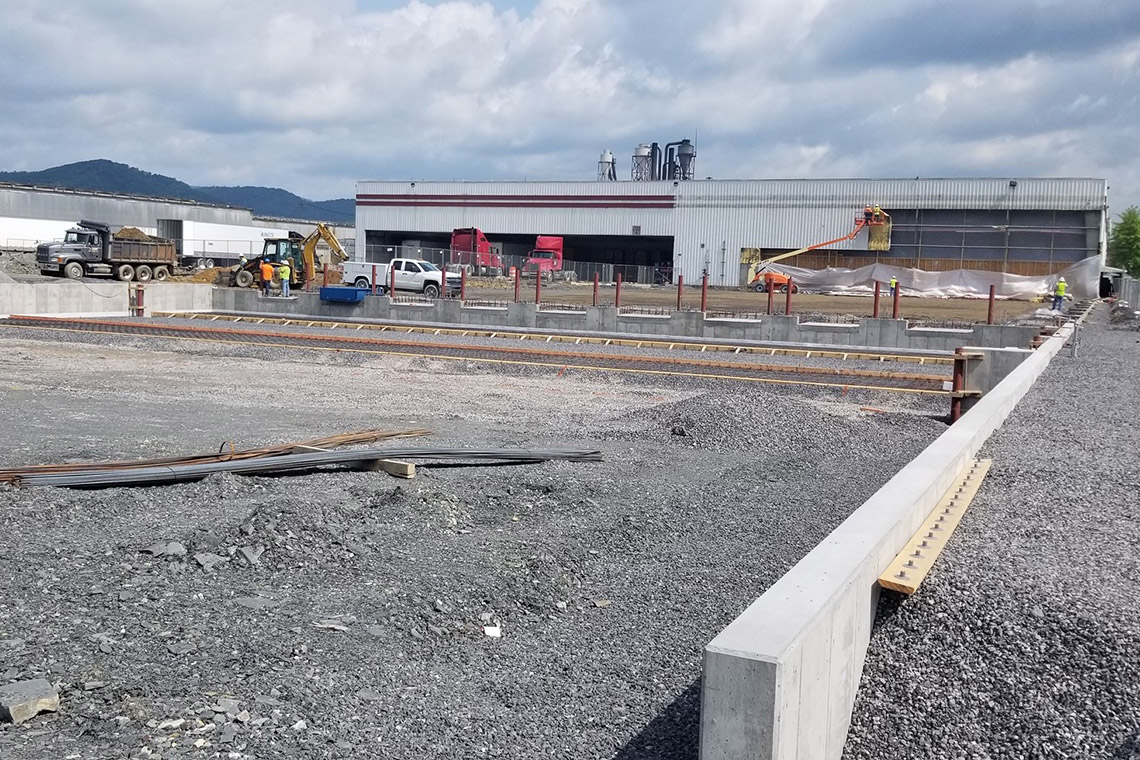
(111, 177)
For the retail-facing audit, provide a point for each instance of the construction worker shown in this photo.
(266, 275)
(242, 262)
(894, 285)
(1059, 294)
(285, 272)
(877, 214)
(868, 213)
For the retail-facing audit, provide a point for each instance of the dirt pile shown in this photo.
(133, 233)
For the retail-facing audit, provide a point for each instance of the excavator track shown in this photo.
(561, 360)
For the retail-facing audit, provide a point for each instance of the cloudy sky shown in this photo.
(313, 96)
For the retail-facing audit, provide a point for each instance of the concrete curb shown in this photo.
(780, 680)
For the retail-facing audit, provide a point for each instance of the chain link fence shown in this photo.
(1128, 289)
(574, 271)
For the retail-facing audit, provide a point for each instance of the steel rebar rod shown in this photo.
(290, 463)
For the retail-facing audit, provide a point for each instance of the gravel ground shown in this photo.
(607, 579)
(1023, 641)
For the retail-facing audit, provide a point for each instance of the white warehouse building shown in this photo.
(1029, 226)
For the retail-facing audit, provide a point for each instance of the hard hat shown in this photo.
(1061, 280)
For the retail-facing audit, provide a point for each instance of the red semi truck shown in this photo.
(546, 259)
(471, 250)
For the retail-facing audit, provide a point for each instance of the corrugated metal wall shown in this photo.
(711, 220)
(135, 211)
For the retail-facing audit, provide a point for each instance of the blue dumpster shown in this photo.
(342, 294)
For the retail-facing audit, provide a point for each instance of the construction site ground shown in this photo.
(21, 266)
(664, 297)
(359, 631)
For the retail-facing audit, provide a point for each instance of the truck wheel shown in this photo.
(143, 273)
(362, 282)
(161, 273)
(431, 290)
(125, 272)
(199, 263)
(209, 264)
(73, 270)
(243, 279)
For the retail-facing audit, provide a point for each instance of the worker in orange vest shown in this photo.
(266, 275)
(867, 212)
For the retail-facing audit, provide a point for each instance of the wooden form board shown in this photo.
(908, 569)
(393, 467)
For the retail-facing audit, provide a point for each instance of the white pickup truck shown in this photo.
(412, 275)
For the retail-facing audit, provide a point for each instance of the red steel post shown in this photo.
(617, 292)
(517, 284)
(596, 278)
(788, 297)
(990, 313)
(895, 307)
(373, 279)
(878, 288)
(705, 293)
(391, 281)
(956, 386)
(325, 275)
(680, 290)
(771, 297)
(537, 287)
(462, 283)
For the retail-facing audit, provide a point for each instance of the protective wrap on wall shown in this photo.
(1083, 280)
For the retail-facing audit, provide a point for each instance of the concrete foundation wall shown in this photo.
(885, 333)
(94, 298)
(780, 681)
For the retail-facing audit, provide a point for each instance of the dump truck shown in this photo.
(90, 248)
(471, 250)
(546, 260)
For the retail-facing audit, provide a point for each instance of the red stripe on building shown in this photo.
(515, 198)
(511, 204)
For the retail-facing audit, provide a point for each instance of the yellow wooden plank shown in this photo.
(394, 467)
(908, 569)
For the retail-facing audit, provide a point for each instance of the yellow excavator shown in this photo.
(300, 252)
(877, 222)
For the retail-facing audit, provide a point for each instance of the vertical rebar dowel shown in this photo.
(956, 385)
(680, 290)
(878, 294)
(990, 312)
(704, 293)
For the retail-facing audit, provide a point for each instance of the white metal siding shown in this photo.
(713, 219)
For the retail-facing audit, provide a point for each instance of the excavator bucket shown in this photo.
(879, 237)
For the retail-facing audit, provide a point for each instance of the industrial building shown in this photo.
(692, 227)
(32, 214)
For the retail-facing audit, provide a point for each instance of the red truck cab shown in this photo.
(546, 258)
(471, 249)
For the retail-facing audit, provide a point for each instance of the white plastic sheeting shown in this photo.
(1083, 279)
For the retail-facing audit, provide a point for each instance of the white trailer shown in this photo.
(204, 244)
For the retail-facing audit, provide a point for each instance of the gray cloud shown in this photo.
(314, 97)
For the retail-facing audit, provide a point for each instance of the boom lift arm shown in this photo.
(859, 225)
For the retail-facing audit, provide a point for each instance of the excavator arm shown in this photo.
(309, 249)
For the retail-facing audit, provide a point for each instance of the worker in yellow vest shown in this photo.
(894, 285)
(285, 272)
(1059, 294)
